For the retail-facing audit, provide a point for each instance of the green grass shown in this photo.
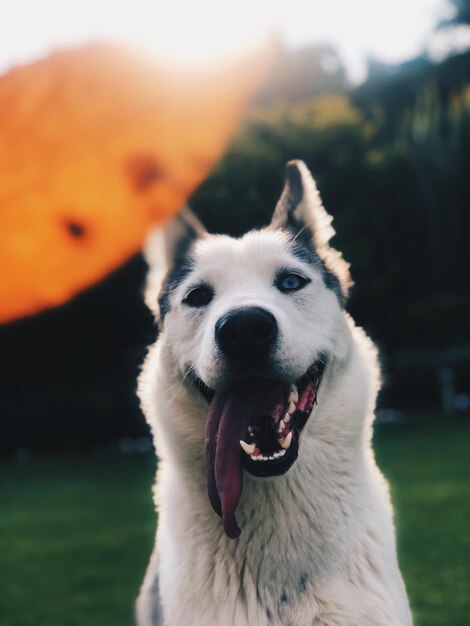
(428, 467)
(76, 532)
(75, 537)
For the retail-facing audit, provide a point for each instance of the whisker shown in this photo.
(178, 386)
(299, 233)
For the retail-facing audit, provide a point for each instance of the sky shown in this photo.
(200, 30)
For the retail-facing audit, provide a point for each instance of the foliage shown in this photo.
(302, 73)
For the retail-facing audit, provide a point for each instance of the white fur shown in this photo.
(318, 545)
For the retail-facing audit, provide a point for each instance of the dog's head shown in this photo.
(250, 324)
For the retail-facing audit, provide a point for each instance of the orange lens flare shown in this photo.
(96, 145)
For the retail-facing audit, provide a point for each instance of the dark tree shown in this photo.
(461, 15)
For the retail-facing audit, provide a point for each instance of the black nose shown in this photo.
(246, 334)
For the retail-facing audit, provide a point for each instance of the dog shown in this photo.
(260, 394)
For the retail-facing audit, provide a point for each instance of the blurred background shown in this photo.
(375, 98)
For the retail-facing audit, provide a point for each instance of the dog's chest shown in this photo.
(269, 576)
(248, 592)
(286, 569)
(244, 591)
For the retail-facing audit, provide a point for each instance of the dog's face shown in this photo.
(250, 323)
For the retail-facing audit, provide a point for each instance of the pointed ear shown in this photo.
(300, 205)
(166, 252)
(300, 210)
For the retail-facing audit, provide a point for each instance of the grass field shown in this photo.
(76, 532)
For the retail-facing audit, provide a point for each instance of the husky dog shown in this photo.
(260, 393)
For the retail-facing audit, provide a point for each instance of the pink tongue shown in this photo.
(230, 414)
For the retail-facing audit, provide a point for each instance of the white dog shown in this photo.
(251, 329)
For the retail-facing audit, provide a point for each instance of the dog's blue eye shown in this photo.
(199, 296)
(291, 282)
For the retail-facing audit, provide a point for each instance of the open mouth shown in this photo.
(255, 424)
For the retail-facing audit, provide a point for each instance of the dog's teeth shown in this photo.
(291, 408)
(249, 448)
(285, 443)
(254, 457)
(271, 458)
(282, 425)
(294, 395)
(286, 418)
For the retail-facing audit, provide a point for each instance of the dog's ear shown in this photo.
(300, 210)
(300, 206)
(166, 253)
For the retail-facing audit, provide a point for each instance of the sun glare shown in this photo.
(208, 29)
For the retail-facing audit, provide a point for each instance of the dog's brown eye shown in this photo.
(290, 282)
(199, 296)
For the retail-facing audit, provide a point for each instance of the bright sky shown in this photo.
(195, 30)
